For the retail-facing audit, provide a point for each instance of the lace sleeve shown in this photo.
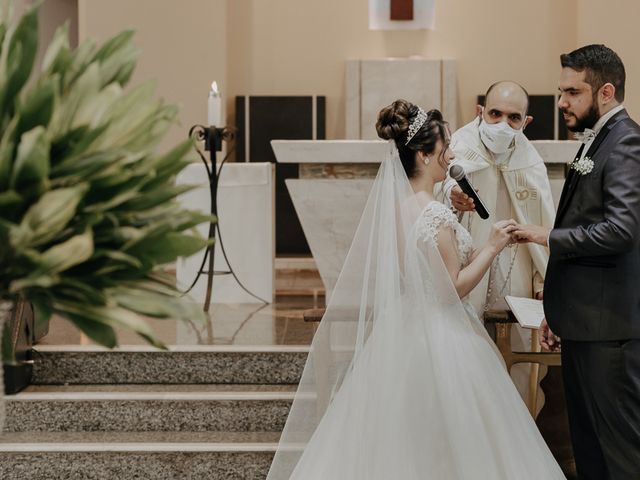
(435, 217)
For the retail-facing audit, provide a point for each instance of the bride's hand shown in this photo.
(500, 235)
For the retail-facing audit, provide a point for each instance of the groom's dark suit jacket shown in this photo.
(592, 284)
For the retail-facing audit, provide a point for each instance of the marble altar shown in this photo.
(335, 178)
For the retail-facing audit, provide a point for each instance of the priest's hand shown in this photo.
(548, 340)
(532, 234)
(461, 201)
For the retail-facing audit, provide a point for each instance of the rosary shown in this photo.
(492, 276)
(493, 270)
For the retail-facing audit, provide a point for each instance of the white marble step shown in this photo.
(149, 408)
(138, 441)
(228, 364)
(149, 455)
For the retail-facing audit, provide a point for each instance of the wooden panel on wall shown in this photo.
(266, 118)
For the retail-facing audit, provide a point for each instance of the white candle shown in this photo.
(214, 107)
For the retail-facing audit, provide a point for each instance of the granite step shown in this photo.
(149, 408)
(223, 364)
(149, 455)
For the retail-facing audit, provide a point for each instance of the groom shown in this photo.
(592, 300)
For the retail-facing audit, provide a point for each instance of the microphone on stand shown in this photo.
(457, 173)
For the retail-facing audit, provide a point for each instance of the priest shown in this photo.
(511, 178)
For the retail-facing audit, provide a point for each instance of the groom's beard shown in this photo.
(588, 120)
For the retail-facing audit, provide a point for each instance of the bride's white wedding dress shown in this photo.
(403, 381)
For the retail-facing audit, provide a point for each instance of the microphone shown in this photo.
(457, 173)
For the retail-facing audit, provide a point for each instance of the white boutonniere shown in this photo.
(583, 166)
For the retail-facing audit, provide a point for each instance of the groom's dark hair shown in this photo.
(602, 65)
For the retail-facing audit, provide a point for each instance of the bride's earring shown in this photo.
(426, 160)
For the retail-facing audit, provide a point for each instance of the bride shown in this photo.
(402, 381)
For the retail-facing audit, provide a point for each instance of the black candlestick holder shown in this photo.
(213, 137)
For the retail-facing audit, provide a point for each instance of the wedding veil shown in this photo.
(370, 290)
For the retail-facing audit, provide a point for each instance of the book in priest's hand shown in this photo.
(528, 311)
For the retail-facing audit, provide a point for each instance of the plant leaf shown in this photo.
(118, 256)
(65, 255)
(80, 291)
(160, 250)
(156, 304)
(22, 51)
(32, 162)
(111, 316)
(8, 200)
(37, 108)
(58, 54)
(42, 309)
(36, 280)
(99, 332)
(45, 219)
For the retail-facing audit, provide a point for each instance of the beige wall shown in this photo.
(295, 47)
(183, 47)
(615, 24)
(299, 46)
(54, 13)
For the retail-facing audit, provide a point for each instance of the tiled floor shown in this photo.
(280, 323)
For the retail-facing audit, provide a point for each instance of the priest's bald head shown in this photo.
(506, 101)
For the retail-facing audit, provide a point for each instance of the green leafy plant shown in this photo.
(88, 214)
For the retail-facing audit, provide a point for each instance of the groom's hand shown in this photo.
(548, 340)
(533, 234)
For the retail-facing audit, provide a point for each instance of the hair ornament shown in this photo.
(416, 124)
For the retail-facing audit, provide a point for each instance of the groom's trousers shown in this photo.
(602, 387)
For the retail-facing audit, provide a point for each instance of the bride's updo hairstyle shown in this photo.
(393, 124)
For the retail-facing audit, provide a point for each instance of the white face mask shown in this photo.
(497, 137)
